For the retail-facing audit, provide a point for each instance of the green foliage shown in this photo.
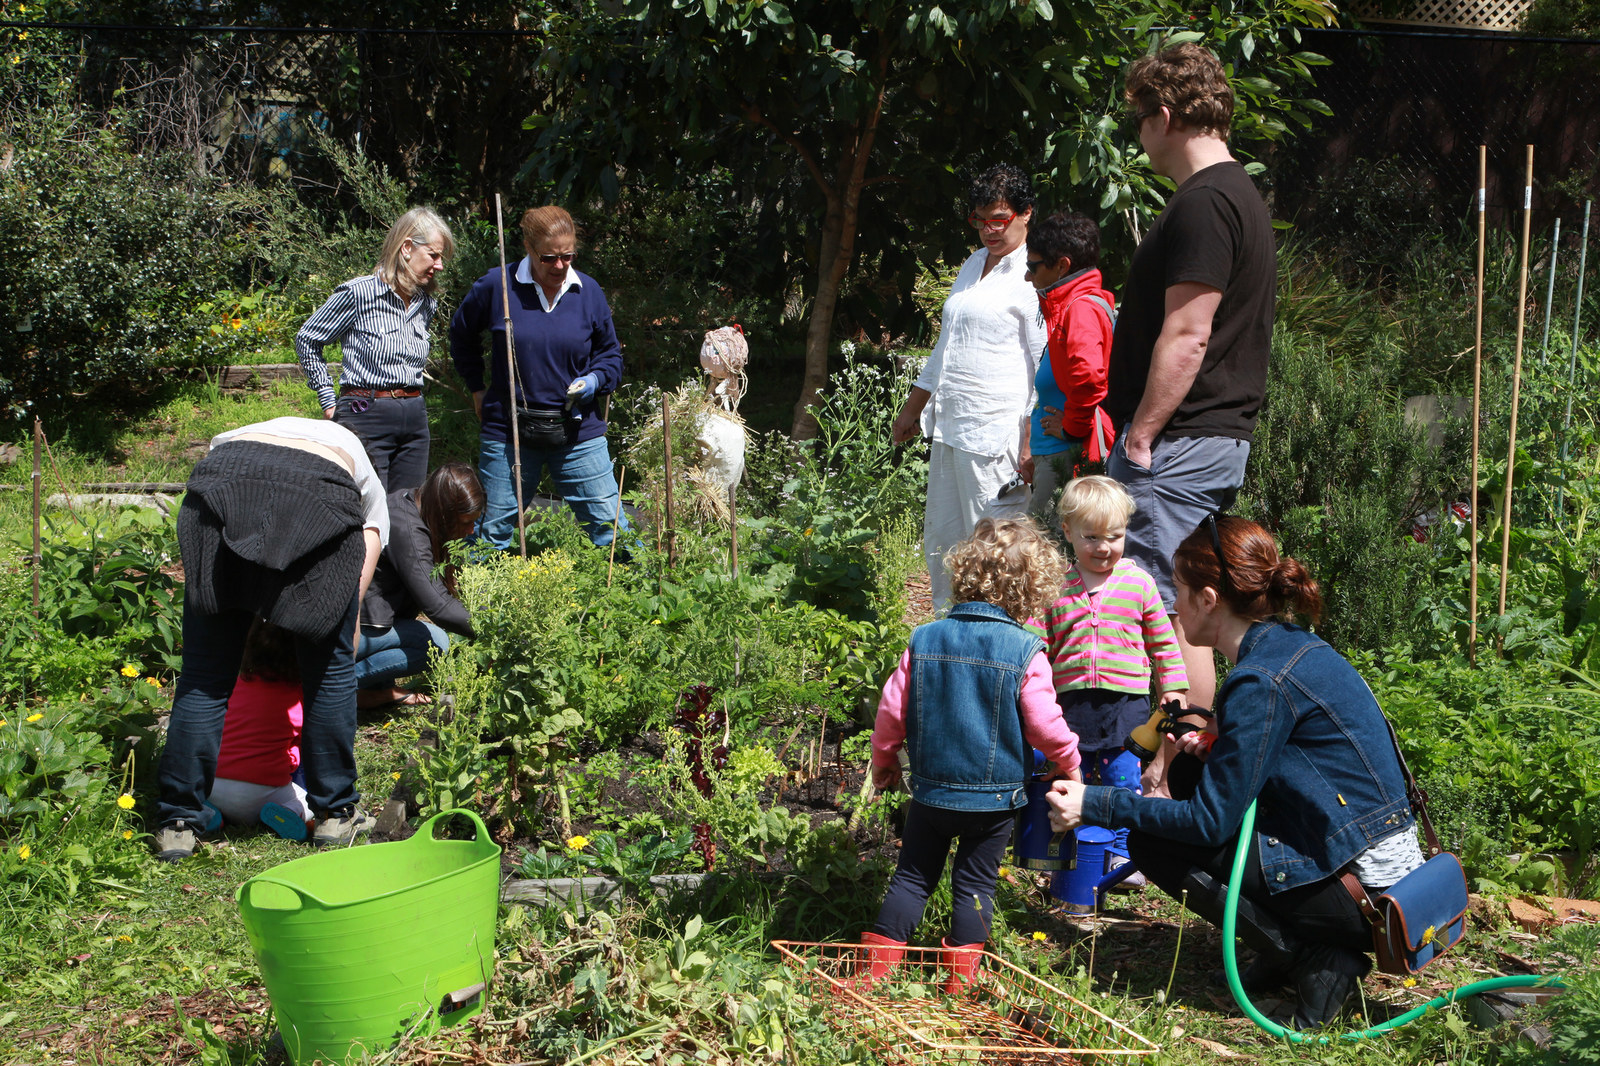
(1338, 475)
(106, 597)
(122, 249)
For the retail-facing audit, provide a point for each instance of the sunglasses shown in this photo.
(557, 257)
(1216, 546)
(1140, 116)
(1035, 264)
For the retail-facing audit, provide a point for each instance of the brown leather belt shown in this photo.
(380, 394)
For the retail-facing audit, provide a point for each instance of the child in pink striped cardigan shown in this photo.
(1107, 633)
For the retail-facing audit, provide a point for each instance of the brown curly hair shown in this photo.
(1190, 80)
(1007, 562)
(1260, 583)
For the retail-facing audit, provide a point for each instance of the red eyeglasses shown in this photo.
(991, 224)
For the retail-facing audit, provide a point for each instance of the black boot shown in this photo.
(1275, 950)
(1325, 978)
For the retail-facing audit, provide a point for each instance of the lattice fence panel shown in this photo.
(1496, 15)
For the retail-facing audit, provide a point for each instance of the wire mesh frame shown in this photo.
(1006, 1015)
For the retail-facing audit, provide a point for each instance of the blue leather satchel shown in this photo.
(1424, 914)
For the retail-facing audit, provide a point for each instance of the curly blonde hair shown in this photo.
(1007, 562)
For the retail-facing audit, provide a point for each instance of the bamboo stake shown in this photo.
(1572, 363)
(616, 526)
(38, 477)
(511, 381)
(1477, 398)
(666, 440)
(1550, 289)
(1516, 383)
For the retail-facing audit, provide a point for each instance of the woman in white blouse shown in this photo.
(974, 396)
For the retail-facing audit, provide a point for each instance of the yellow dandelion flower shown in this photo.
(34, 717)
(1038, 936)
(655, 621)
(127, 834)
(23, 36)
(577, 843)
(807, 533)
(125, 939)
(130, 670)
(125, 801)
(1005, 871)
(2, 721)
(1410, 982)
(395, 775)
(152, 682)
(15, 60)
(23, 852)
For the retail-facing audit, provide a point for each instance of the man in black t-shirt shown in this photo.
(1189, 360)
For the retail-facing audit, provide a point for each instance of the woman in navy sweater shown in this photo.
(567, 357)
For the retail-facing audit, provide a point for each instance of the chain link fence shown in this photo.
(1410, 110)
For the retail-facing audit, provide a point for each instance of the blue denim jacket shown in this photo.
(1298, 731)
(964, 710)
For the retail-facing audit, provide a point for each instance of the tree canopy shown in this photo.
(858, 120)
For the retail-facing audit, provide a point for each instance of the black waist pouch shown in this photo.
(540, 427)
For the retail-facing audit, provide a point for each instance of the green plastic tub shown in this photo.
(361, 946)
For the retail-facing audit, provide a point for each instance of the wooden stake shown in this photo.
(666, 440)
(511, 381)
(616, 526)
(733, 521)
(1477, 398)
(1516, 384)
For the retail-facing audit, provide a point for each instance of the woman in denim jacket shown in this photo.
(1298, 731)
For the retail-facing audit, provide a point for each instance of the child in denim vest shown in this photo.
(1106, 634)
(970, 697)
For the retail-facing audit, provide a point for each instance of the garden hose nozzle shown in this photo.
(1145, 740)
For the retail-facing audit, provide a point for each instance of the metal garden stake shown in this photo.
(1550, 289)
(1572, 363)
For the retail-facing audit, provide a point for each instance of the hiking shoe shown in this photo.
(176, 841)
(341, 827)
(283, 821)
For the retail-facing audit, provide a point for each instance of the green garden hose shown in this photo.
(1230, 964)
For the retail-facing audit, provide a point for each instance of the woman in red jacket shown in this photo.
(1079, 315)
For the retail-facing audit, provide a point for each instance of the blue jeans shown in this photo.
(213, 646)
(397, 651)
(980, 838)
(583, 477)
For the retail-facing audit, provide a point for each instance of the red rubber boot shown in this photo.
(960, 961)
(879, 955)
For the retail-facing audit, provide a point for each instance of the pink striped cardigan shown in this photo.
(1110, 638)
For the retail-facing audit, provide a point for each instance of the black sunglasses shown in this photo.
(556, 257)
(1216, 546)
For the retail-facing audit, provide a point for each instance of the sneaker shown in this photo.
(283, 821)
(341, 827)
(176, 841)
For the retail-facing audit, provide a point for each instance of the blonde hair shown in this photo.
(420, 225)
(1095, 502)
(1007, 562)
(541, 223)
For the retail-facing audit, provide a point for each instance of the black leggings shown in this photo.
(1321, 912)
(980, 838)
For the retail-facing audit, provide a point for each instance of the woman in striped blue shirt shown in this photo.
(381, 322)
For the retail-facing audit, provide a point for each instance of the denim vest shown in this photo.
(1300, 733)
(964, 710)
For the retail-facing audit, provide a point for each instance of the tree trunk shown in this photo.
(834, 252)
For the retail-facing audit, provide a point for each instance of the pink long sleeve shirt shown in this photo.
(1042, 723)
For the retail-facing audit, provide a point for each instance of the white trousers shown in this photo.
(962, 488)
